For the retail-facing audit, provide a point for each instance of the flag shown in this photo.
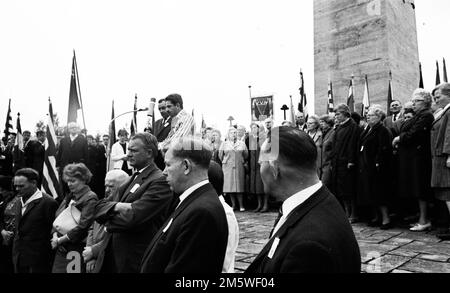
(203, 123)
(445, 72)
(438, 75)
(133, 126)
(112, 138)
(19, 137)
(50, 180)
(389, 99)
(18, 154)
(303, 105)
(292, 111)
(8, 123)
(366, 102)
(193, 124)
(421, 77)
(74, 102)
(330, 108)
(351, 98)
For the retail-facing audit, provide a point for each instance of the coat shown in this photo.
(34, 154)
(233, 156)
(325, 149)
(31, 246)
(96, 163)
(316, 238)
(161, 131)
(440, 151)
(393, 127)
(374, 183)
(254, 178)
(70, 152)
(317, 138)
(344, 151)
(414, 155)
(131, 233)
(193, 239)
(97, 241)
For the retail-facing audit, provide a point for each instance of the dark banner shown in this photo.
(262, 108)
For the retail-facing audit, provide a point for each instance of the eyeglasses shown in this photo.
(418, 100)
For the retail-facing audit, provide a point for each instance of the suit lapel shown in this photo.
(137, 181)
(296, 215)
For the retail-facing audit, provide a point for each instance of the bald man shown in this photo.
(97, 239)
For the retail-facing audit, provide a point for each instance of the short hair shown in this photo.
(444, 88)
(26, 131)
(315, 118)
(209, 128)
(150, 142)
(122, 132)
(327, 119)
(72, 125)
(217, 131)
(425, 95)
(40, 132)
(343, 109)
(118, 176)
(215, 176)
(79, 171)
(161, 100)
(107, 135)
(408, 110)
(296, 148)
(175, 99)
(90, 136)
(194, 149)
(396, 101)
(254, 124)
(30, 174)
(356, 117)
(378, 110)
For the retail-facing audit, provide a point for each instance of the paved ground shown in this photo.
(392, 251)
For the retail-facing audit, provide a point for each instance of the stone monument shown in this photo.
(359, 37)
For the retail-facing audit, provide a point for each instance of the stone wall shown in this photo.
(362, 37)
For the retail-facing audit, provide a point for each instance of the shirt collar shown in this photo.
(300, 197)
(35, 196)
(191, 189)
(142, 170)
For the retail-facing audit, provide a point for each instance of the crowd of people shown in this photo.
(156, 202)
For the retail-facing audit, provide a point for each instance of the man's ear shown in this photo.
(187, 166)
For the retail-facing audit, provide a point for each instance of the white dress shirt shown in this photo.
(233, 238)
(190, 190)
(35, 196)
(294, 201)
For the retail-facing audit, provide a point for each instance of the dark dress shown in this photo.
(34, 157)
(345, 146)
(374, 186)
(85, 201)
(414, 173)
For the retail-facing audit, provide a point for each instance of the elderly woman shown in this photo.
(325, 148)
(233, 154)
(313, 130)
(374, 168)
(440, 150)
(216, 142)
(414, 151)
(256, 187)
(77, 177)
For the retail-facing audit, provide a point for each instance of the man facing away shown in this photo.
(194, 238)
(35, 214)
(313, 234)
(138, 208)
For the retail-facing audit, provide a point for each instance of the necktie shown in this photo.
(395, 117)
(280, 214)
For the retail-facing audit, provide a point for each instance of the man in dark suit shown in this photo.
(72, 148)
(35, 214)
(194, 238)
(394, 121)
(138, 209)
(313, 234)
(35, 154)
(163, 125)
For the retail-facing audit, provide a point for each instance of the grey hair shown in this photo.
(118, 176)
(378, 110)
(444, 88)
(193, 149)
(421, 93)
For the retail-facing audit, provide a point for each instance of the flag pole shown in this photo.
(79, 90)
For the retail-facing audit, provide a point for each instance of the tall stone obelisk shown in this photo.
(359, 37)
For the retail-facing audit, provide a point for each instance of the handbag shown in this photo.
(68, 219)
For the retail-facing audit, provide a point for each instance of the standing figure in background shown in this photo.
(216, 142)
(326, 148)
(119, 153)
(233, 154)
(35, 154)
(313, 130)
(8, 210)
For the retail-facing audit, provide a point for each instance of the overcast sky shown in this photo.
(208, 51)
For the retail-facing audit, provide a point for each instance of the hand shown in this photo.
(350, 165)
(54, 241)
(90, 266)
(87, 254)
(122, 207)
(396, 141)
(7, 235)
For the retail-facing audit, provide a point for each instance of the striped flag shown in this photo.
(8, 124)
(445, 72)
(438, 75)
(330, 108)
(351, 97)
(366, 102)
(133, 127)
(18, 154)
(50, 180)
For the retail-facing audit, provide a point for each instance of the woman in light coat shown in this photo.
(233, 154)
(119, 153)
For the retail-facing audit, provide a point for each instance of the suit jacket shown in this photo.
(440, 150)
(316, 238)
(35, 155)
(131, 233)
(70, 152)
(31, 246)
(161, 130)
(97, 239)
(394, 127)
(193, 239)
